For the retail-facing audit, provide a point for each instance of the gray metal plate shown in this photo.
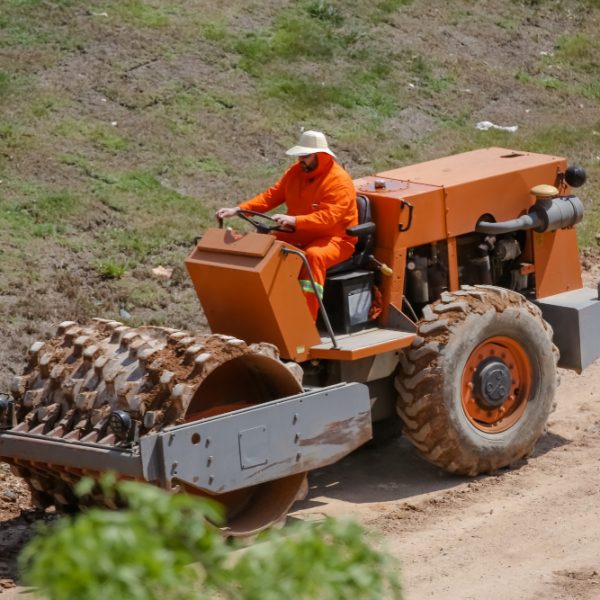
(262, 443)
(79, 455)
(575, 319)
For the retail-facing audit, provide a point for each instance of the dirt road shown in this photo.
(526, 533)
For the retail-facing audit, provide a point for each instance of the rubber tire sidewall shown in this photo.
(504, 447)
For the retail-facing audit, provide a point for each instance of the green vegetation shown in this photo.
(125, 123)
(162, 547)
(579, 52)
(292, 60)
(140, 13)
(110, 269)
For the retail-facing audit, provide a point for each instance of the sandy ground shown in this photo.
(527, 533)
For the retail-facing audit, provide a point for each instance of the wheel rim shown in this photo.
(496, 384)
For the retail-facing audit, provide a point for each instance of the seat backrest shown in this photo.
(363, 206)
(365, 243)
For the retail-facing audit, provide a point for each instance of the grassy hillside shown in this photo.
(124, 123)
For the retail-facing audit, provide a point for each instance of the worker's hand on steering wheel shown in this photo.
(286, 222)
(263, 223)
(223, 213)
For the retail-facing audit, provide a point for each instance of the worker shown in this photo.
(321, 204)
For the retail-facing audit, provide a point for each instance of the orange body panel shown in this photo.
(556, 262)
(389, 210)
(253, 295)
(450, 195)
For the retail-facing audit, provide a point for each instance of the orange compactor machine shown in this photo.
(462, 298)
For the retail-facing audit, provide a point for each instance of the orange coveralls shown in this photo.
(324, 204)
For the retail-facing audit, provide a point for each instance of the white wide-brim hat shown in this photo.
(310, 142)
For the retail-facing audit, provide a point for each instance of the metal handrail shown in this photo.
(314, 286)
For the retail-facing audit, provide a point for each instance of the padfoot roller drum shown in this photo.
(80, 384)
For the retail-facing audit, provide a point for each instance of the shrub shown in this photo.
(163, 547)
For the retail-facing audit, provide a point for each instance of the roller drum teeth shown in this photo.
(136, 405)
(154, 369)
(41, 413)
(74, 382)
(195, 349)
(145, 355)
(118, 333)
(64, 327)
(33, 398)
(186, 342)
(180, 398)
(71, 334)
(136, 347)
(99, 365)
(85, 400)
(128, 338)
(98, 415)
(18, 471)
(47, 416)
(77, 431)
(61, 499)
(111, 324)
(202, 360)
(18, 386)
(150, 419)
(70, 389)
(80, 344)
(90, 353)
(265, 349)
(36, 484)
(45, 365)
(175, 337)
(296, 370)
(167, 380)
(64, 424)
(124, 391)
(109, 383)
(34, 352)
(57, 373)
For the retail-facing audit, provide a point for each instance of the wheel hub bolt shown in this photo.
(491, 383)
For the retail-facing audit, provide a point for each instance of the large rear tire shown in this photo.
(478, 384)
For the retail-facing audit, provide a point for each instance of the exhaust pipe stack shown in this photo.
(549, 213)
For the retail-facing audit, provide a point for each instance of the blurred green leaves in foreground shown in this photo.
(163, 547)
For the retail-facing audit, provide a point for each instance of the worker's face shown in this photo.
(308, 162)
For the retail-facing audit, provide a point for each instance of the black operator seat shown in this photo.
(365, 232)
(348, 290)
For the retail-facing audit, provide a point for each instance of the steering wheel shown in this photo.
(256, 220)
